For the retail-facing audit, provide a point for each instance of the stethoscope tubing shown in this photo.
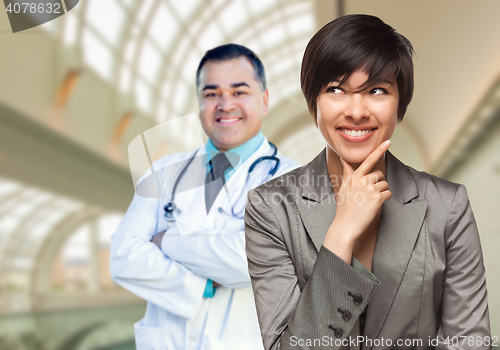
(171, 209)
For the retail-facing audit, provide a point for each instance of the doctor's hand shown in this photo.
(158, 238)
(359, 200)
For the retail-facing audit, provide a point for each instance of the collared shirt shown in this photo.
(243, 151)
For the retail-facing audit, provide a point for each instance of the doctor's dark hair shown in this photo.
(231, 51)
(354, 42)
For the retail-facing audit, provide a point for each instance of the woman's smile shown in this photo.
(356, 135)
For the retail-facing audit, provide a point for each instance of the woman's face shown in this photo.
(355, 123)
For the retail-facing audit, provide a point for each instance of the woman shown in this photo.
(355, 249)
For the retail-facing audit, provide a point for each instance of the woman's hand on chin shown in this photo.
(359, 199)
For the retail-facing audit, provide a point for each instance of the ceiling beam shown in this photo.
(484, 117)
(36, 155)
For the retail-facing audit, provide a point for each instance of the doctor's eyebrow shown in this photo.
(237, 85)
(233, 86)
(210, 87)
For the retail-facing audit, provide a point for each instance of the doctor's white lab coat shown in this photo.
(195, 247)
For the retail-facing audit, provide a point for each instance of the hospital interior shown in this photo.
(77, 91)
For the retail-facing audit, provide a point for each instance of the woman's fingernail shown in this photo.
(387, 143)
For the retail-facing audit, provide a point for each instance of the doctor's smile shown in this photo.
(228, 120)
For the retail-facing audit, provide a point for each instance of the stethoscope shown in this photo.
(172, 211)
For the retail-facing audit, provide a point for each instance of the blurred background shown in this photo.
(75, 91)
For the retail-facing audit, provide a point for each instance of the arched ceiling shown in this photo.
(27, 216)
(34, 226)
(150, 49)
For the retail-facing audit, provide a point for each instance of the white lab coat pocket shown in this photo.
(147, 338)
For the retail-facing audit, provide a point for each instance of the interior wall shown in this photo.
(480, 173)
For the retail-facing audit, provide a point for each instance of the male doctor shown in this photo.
(196, 281)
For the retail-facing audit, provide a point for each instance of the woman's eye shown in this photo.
(335, 90)
(238, 93)
(378, 91)
(211, 94)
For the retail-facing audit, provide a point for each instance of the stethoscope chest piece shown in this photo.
(171, 212)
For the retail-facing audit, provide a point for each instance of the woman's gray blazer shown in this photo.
(427, 282)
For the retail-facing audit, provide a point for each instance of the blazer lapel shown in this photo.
(401, 221)
(315, 198)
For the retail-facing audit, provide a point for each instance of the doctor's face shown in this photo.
(232, 102)
(355, 123)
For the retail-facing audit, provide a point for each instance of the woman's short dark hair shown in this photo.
(231, 51)
(354, 42)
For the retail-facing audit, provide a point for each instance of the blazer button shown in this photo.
(358, 299)
(337, 332)
(346, 315)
